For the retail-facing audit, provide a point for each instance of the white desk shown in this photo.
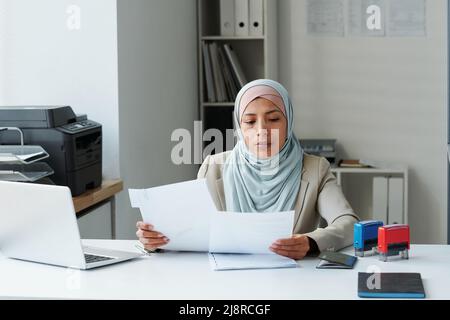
(188, 276)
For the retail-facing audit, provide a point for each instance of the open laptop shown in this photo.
(38, 223)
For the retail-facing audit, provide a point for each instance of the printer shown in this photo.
(321, 147)
(73, 142)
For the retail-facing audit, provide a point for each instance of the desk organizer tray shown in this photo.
(22, 154)
(25, 173)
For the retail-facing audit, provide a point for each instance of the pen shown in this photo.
(146, 251)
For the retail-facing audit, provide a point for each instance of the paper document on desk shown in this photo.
(233, 261)
(180, 211)
(237, 232)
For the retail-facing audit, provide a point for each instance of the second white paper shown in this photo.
(236, 232)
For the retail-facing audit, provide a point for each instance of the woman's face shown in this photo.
(264, 128)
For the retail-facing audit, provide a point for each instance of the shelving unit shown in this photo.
(227, 38)
(257, 56)
(401, 172)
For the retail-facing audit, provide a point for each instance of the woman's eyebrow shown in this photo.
(268, 112)
(273, 111)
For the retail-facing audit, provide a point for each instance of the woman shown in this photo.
(267, 171)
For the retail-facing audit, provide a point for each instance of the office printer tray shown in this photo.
(18, 154)
(25, 173)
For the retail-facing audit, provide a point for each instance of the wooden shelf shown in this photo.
(220, 38)
(218, 104)
(369, 170)
(92, 197)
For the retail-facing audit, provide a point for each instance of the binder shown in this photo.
(230, 84)
(395, 205)
(227, 17)
(208, 74)
(235, 65)
(256, 18)
(218, 77)
(241, 15)
(380, 199)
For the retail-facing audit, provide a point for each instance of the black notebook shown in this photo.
(390, 285)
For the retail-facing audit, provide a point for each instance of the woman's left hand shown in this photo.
(296, 247)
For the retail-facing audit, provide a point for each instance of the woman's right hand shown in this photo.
(150, 238)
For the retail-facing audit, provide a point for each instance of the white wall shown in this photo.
(158, 93)
(382, 98)
(42, 62)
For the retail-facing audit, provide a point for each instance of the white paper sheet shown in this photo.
(7, 157)
(231, 261)
(233, 232)
(180, 211)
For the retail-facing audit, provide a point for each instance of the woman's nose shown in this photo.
(261, 130)
(261, 126)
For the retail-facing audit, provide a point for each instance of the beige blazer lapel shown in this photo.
(301, 198)
(220, 193)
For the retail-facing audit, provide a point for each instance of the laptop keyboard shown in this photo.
(90, 258)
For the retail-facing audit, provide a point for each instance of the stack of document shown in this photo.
(186, 214)
(232, 261)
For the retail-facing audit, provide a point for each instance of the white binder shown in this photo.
(380, 199)
(210, 89)
(217, 73)
(395, 205)
(256, 18)
(227, 17)
(241, 15)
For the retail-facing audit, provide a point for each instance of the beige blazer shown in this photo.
(319, 196)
